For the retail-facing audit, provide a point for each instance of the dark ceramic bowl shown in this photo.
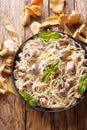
(39, 107)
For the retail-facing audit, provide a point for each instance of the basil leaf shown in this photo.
(52, 68)
(49, 35)
(82, 84)
(28, 98)
(33, 102)
(48, 92)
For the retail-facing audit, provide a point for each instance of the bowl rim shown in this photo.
(39, 107)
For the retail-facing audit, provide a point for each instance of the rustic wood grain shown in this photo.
(68, 119)
(14, 114)
(82, 115)
(81, 7)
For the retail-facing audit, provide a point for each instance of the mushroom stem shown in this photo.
(2, 91)
(67, 30)
(8, 71)
(82, 29)
(4, 52)
(82, 39)
(26, 18)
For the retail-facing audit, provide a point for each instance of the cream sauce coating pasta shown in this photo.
(60, 89)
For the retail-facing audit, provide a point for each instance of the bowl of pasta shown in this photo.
(50, 71)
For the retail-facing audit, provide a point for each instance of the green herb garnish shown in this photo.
(49, 35)
(28, 98)
(83, 84)
(59, 80)
(51, 69)
(48, 92)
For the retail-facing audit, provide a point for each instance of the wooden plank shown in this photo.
(69, 6)
(81, 7)
(12, 114)
(66, 120)
(27, 30)
(82, 115)
(36, 120)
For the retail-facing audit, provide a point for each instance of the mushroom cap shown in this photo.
(57, 6)
(10, 45)
(28, 10)
(33, 10)
(36, 2)
(35, 27)
(74, 17)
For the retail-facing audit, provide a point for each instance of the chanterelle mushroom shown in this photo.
(31, 10)
(82, 30)
(74, 17)
(4, 84)
(35, 27)
(3, 87)
(57, 6)
(36, 2)
(10, 45)
(27, 12)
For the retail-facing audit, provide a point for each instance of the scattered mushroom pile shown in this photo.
(81, 33)
(61, 19)
(8, 48)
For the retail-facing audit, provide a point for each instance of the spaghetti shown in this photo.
(50, 71)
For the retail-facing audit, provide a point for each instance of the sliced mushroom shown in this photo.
(70, 66)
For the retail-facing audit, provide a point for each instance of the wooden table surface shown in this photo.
(15, 114)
